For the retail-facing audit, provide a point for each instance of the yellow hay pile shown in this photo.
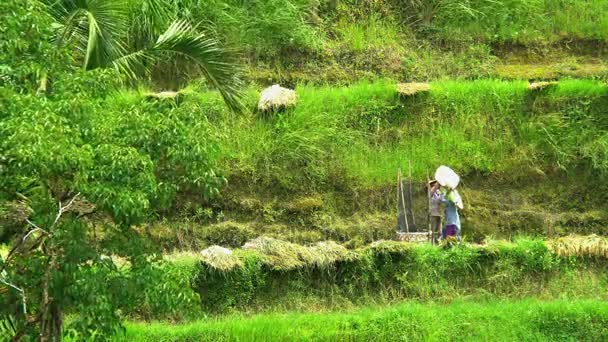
(277, 97)
(410, 89)
(279, 255)
(541, 85)
(283, 255)
(580, 246)
(220, 258)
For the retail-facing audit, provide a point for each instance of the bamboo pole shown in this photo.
(428, 197)
(411, 202)
(398, 188)
(407, 226)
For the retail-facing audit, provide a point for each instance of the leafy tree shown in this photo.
(26, 52)
(56, 266)
(82, 171)
(126, 162)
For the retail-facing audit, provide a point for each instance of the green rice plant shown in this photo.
(497, 320)
(373, 32)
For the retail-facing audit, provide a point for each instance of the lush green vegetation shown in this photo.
(176, 156)
(347, 142)
(458, 321)
(341, 139)
(267, 271)
(102, 170)
(343, 41)
(53, 175)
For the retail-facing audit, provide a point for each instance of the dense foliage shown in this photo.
(89, 167)
(77, 178)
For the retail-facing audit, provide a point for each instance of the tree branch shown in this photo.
(20, 291)
(63, 209)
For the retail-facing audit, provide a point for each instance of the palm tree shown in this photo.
(135, 35)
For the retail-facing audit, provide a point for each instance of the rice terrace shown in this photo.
(304, 170)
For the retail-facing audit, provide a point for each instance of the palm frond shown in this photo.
(148, 19)
(182, 39)
(135, 63)
(100, 32)
(216, 63)
(95, 26)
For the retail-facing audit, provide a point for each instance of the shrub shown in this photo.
(219, 289)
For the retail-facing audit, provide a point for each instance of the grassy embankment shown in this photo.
(270, 276)
(342, 41)
(267, 272)
(531, 161)
(525, 320)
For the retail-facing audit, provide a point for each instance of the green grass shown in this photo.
(262, 277)
(579, 19)
(259, 28)
(343, 144)
(366, 132)
(271, 26)
(458, 321)
(370, 33)
(519, 21)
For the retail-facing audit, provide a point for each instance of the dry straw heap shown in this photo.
(591, 246)
(411, 89)
(277, 98)
(282, 255)
(542, 85)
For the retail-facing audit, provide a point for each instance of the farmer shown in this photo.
(453, 202)
(435, 211)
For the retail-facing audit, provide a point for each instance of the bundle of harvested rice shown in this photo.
(580, 246)
(277, 97)
(389, 246)
(280, 255)
(326, 253)
(220, 258)
(541, 85)
(410, 89)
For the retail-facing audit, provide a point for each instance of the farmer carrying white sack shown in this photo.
(452, 201)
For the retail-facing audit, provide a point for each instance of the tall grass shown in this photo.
(520, 21)
(578, 19)
(260, 27)
(366, 132)
(528, 320)
(373, 32)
